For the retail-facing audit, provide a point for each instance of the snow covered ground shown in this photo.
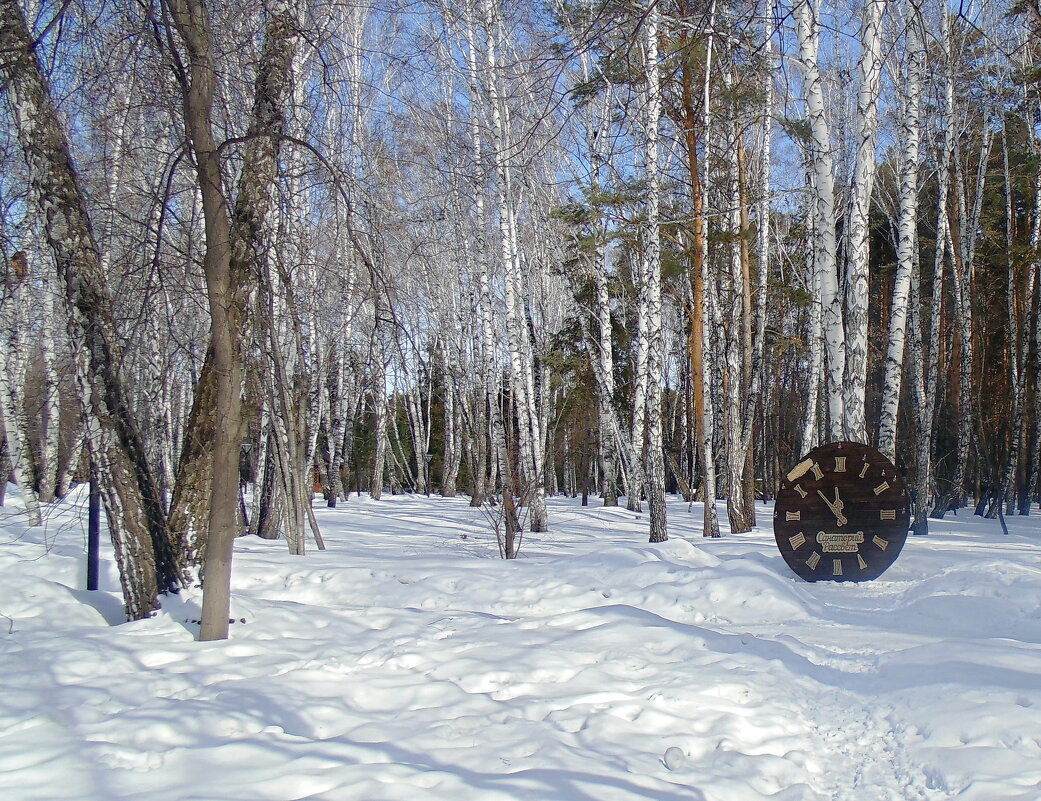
(407, 662)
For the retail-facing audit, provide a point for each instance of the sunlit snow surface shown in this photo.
(407, 662)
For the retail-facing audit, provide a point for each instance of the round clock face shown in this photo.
(841, 514)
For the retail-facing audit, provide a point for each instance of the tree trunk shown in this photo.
(737, 352)
(14, 354)
(151, 559)
(907, 238)
(654, 455)
(531, 477)
(50, 413)
(378, 391)
(857, 249)
(815, 345)
(824, 238)
(232, 251)
(1033, 467)
(1018, 343)
(247, 244)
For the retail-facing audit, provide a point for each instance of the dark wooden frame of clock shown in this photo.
(841, 514)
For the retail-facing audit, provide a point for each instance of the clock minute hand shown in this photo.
(836, 507)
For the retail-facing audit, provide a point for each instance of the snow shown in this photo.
(408, 662)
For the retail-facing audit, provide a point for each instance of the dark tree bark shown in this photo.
(248, 243)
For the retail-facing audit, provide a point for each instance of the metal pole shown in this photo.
(93, 533)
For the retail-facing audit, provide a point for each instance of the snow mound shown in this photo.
(407, 661)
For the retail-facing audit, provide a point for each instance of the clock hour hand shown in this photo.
(836, 506)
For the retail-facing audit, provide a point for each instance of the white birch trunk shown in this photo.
(824, 237)
(378, 394)
(857, 250)
(815, 344)
(758, 372)
(944, 252)
(453, 438)
(150, 560)
(968, 223)
(531, 441)
(337, 420)
(490, 371)
(14, 308)
(50, 413)
(259, 478)
(1019, 340)
(920, 416)
(907, 226)
(710, 519)
(736, 357)
(638, 425)
(654, 455)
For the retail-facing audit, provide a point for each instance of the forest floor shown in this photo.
(408, 662)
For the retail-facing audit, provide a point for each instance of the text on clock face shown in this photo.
(840, 543)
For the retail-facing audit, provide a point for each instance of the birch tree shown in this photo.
(857, 248)
(231, 254)
(807, 28)
(907, 238)
(522, 379)
(654, 459)
(149, 558)
(14, 333)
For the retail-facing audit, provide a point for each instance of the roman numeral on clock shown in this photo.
(840, 464)
(817, 472)
(881, 488)
(887, 514)
(796, 515)
(836, 567)
(814, 560)
(797, 541)
(800, 490)
(863, 470)
(881, 543)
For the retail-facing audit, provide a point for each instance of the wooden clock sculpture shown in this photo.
(841, 514)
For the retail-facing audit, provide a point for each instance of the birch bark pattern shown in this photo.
(14, 330)
(823, 203)
(815, 346)
(963, 259)
(522, 380)
(857, 249)
(737, 352)
(710, 520)
(493, 431)
(907, 226)
(654, 464)
(944, 249)
(150, 560)
(50, 414)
